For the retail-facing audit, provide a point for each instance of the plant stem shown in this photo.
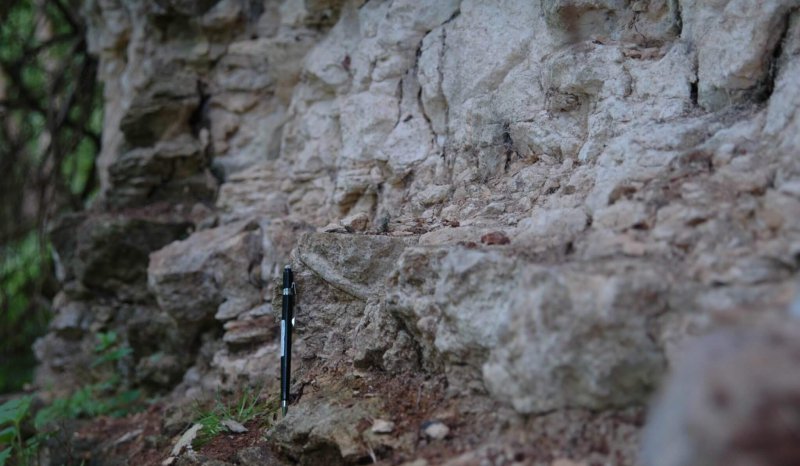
(18, 446)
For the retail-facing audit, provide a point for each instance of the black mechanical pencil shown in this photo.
(287, 324)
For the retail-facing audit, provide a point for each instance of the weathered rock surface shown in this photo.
(580, 338)
(110, 252)
(172, 170)
(357, 265)
(324, 433)
(213, 273)
(536, 203)
(734, 397)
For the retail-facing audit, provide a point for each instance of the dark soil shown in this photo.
(225, 447)
(107, 440)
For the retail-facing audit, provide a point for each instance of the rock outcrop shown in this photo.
(505, 216)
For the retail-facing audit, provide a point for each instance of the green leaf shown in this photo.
(32, 448)
(13, 411)
(48, 414)
(8, 434)
(128, 397)
(105, 341)
(44, 416)
(4, 455)
(114, 355)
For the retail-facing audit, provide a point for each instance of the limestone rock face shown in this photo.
(102, 260)
(110, 252)
(732, 396)
(209, 274)
(524, 209)
(736, 64)
(171, 170)
(542, 338)
(357, 265)
(580, 338)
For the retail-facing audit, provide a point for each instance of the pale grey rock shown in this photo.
(731, 399)
(481, 61)
(356, 222)
(257, 456)
(623, 215)
(794, 309)
(442, 293)
(249, 331)
(579, 20)
(192, 278)
(226, 13)
(356, 188)
(734, 62)
(366, 119)
(242, 196)
(382, 426)
(357, 265)
(435, 430)
(326, 335)
(350, 319)
(418, 462)
(231, 368)
(411, 139)
(604, 244)
(453, 235)
(433, 195)
(258, 311)
(371, 335)
(403, 355)
(567, 462)
(429, 76)
(71, 318)
(234, 426)
(579, 338)
(442, 296)
(320, 432)
(552, 226)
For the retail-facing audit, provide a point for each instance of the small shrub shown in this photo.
(12, 414)
(96, 399)
(104, 397)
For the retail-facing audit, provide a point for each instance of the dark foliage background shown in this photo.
(50, 124)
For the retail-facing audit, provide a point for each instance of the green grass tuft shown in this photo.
(244, 407)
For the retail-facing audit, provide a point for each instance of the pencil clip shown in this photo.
(294, 296)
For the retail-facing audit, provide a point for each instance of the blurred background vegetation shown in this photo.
(50, 128)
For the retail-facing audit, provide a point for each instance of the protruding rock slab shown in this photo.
(109, 251)
(340, 314)
(538, 337)
(580, 337)
(355, 264)
(174, 170)
(163, 109)
(320, 432)
(192, 278)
